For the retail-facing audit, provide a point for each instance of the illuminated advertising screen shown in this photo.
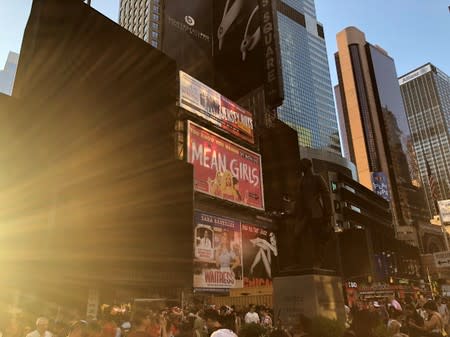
(260, 252)
(224, 169)
(218, 252)
(203, 101)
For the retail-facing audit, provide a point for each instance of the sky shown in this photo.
(413, 32)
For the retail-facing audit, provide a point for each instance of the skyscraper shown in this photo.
(426, 96)
(8, 74)
(142, 18)
(379, 139)
(308, 104)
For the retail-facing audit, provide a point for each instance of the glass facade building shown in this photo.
(308, 105)
(426, 96)
(379, 137)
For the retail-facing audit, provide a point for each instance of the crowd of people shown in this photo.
(196, 321)
(383, 317)
(407, 318)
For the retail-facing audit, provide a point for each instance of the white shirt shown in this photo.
(36, 333)
(205, 243)
(251, 317)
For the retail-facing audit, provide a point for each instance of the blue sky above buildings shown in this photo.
(412, 31)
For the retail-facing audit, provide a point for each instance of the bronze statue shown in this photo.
(313, 216)
(307, 225)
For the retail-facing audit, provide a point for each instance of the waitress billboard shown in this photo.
(224, 169)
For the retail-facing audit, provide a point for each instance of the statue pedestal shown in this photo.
(318, 293)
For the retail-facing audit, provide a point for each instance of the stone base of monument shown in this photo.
(310, 295)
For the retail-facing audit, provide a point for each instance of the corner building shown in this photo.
(379, 139)
(426, 96)
(308, 105)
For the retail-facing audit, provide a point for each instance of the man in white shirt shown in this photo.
(41, 329)
(251, 316)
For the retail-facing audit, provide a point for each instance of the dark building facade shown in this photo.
(378, 135)
(426, 92)
(372, 260)
(90, 172)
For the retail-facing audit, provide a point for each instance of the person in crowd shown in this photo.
(412, 319)
(266, 320)
(224, 333)
(41, 328)
(443, 310)
(212, 319)
(237, 317)
(199, 324)
(394, 329)
(109, 327)
(252, 316)
(139, 323)
(433, 326)
(61, 329)
(78, 329)
(94, 329)
(394, 303)
(365, 319)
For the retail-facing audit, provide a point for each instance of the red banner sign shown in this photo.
(224, 169)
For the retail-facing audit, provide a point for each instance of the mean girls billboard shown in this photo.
(218, 110)
(224, 169)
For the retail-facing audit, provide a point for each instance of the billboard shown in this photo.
(187, 36)
(380, 185)
(444, 211)
(218, 110)
(218, 252)
(260, 250)
(246, 49)
(229, 253)
(224, 169)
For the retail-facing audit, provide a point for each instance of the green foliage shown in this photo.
(381, 331)
(252, 330)
(325, 327)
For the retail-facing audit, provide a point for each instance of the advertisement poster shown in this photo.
(218, 110)
(444, 210)
(188, 36)
(259, 254)
(380, 185)
(238, 47)
(246, 49)
(224, 169)
(218, 252)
